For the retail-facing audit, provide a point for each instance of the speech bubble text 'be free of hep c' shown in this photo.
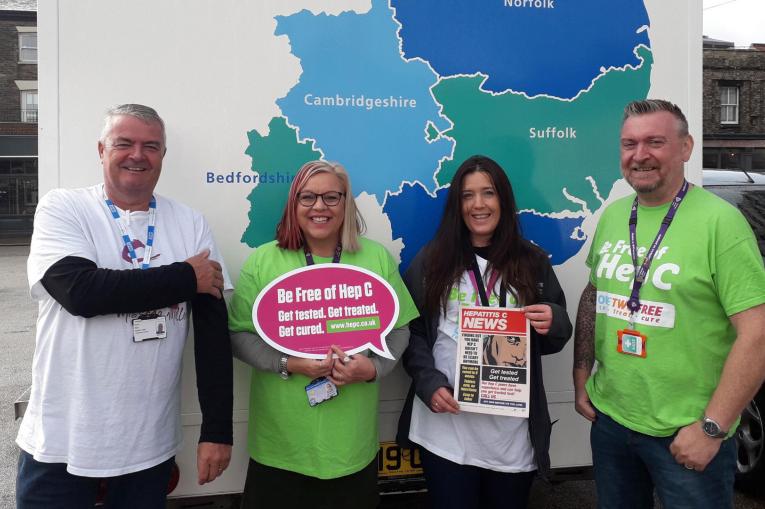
(305, 311)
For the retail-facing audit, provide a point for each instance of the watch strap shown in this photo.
(712, 428)
(283, 367)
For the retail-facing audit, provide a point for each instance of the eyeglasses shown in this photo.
(330, 198)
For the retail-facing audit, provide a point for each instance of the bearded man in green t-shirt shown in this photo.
(674, 313)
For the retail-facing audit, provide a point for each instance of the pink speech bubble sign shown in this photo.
(305, 311)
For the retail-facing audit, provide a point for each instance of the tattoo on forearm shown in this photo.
(584, 334)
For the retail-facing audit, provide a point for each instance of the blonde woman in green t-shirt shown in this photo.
(321, 455)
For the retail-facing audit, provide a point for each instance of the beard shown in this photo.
(640, 185)
(644, 187)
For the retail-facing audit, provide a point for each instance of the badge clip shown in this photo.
(631, 342)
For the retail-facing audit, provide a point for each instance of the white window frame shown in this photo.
(29, 116)
(729, 102)
(26, 35)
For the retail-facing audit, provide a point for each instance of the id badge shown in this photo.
(149, 327)
(320, 390)
(631, 342)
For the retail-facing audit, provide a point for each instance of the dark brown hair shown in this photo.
(450, 253)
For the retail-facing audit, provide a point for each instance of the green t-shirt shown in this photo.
(707, 268)
(337, 437)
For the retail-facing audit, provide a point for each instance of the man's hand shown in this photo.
(349, 369)
(209, 274)
(312, 368)
(443, 401)
(583, 405)
(693, 448)
(212, 460)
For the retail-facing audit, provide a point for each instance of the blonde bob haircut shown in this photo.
(288, 232)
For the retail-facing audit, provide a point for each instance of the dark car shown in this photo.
(747, 192)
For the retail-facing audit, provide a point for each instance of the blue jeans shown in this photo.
(49, 486)
(454, 486)
(629, 465)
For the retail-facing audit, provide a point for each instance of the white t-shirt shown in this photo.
(488, 441)
(100, 402)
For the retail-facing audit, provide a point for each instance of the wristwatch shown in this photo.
(283, 367)
(712, 429)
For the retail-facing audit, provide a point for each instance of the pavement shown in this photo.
(19, 314)
(17, 343)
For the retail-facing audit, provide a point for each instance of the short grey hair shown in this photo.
(636, 108)
(139, 111)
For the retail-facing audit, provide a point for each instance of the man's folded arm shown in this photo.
(85, 290)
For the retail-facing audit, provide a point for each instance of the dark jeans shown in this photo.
(451, 485)
(49, 486)
(628, 466)
(268, 487)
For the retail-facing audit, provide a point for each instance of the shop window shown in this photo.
(711, 158)
(758, 159)
(730, 158)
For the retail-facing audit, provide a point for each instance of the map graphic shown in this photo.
(403, 93)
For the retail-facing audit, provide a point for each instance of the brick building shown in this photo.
(734, 106)
(18, 117)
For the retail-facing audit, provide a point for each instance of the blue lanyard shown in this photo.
(126, 236)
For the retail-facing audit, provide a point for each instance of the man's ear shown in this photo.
(687, 148)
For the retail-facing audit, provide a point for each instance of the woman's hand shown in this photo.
(442, 401)
(312, 368)
(349, 369)
(540, 316)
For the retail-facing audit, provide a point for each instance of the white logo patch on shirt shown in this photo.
(653, 314)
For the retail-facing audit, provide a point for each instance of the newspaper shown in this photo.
(493, 361)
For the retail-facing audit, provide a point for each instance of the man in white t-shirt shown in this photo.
(117, 269)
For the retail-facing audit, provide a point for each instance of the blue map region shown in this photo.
(554, 235)
(403, 211)
(556, 49)
(365, 106)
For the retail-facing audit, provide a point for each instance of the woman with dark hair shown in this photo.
(474, 460)
(304, 454)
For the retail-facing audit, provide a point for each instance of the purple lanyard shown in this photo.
(309, 256)
(477, 280)
(640, 272)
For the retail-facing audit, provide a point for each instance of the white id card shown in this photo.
(145, 329)
(320, 390)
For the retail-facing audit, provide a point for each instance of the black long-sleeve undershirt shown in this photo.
(85, 290)
(214, 363)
